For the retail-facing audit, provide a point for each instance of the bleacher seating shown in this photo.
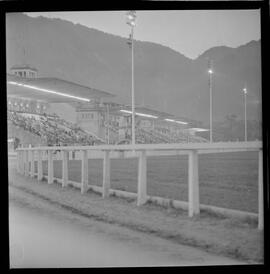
(156, 136)
(52, 129)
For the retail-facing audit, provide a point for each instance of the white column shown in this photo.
(193, 184)
(50, 167)
(18, 161)
(39, 166)
(65, 157)
(106, 174)
(26, 163)
(22, 162)
(84, 177)
(133, 134)
(260, 192)
(142, 179)
(32, 163)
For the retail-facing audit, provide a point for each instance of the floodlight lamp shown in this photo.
(130, 17)
(131, 14)
(210, 71)
(245, 90)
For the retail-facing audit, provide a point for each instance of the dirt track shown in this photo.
(214, 234)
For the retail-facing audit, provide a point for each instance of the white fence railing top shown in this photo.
(247, 146)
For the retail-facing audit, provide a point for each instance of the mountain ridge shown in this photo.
(164, 78)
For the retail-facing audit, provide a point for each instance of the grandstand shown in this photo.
(51, 111)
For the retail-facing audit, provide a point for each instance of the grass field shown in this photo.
(228, 180)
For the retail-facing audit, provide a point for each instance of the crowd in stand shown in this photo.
(155, 136)
(52, 129)
(55, 131)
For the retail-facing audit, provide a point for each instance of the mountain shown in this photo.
(164, 78)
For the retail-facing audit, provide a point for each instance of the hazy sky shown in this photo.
(189, 32)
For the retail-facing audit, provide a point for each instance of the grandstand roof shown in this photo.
(35, 88)
(23, 67)
(149, 111)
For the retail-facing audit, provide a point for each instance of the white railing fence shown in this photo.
(141, 151)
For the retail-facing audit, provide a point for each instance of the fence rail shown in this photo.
(141, 151)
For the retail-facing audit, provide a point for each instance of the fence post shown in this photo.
(32, 164)
(18, 161)
(26, 164)
(50, 167)
(65, 155)
(21, 162)
(39, 166)
(84, 182)
(142, 180)
(106, 174)
(260, 191)
(193, 184)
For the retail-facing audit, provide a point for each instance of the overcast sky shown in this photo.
(188, 32)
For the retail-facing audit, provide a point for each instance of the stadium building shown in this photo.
(52, 111)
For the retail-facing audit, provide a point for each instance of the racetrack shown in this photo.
(216, 234)
(47, 236)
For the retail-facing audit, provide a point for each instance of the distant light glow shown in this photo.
(49, 91)
(139, 114)
(245, 90)
(210, 71)
(179, 122)
(198, 129)
(170, 120)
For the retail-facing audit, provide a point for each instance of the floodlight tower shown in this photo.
(210, 73)
(245, 111)
(131, 16)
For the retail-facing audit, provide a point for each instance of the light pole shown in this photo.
(210, 72)
(108, 123)
(245, 109)
(131, 16)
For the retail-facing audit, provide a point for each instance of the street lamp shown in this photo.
(245, 110)
(210, 73)
(131, 16)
